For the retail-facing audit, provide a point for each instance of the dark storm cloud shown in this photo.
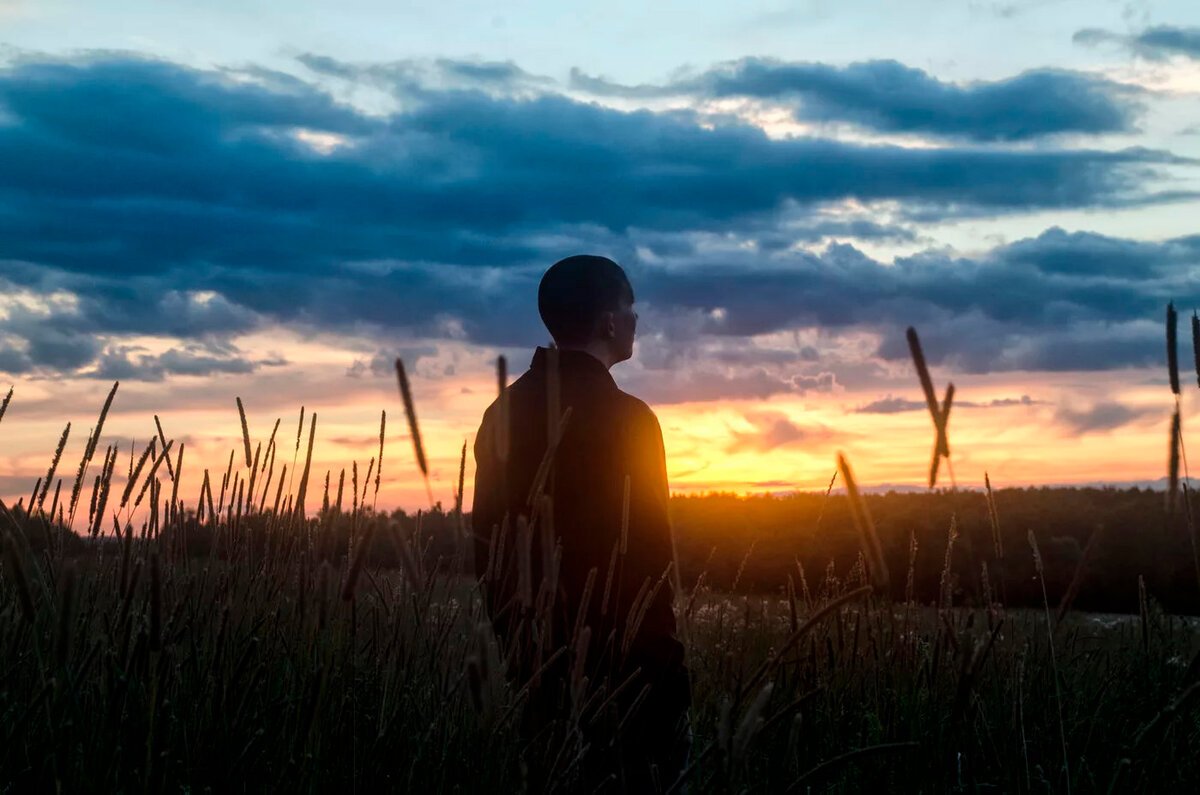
(1161, 41)
(1086, 253)
(131, 166)
(888, 96)
(1055, 302)
(201, 204)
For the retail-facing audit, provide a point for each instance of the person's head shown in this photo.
(586, 303)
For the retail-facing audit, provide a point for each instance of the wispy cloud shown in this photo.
(897, 405)
(1104, 416)
(1157, 42)
(773, 429)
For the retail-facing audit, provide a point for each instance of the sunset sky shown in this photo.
(208, 200)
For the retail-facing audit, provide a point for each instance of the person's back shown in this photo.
(592, 513)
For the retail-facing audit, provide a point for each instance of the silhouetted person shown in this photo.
(610, 439)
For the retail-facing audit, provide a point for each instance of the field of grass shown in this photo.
(131, 667)
(241, 643)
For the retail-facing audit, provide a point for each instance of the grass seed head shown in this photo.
(410, 411)
(1172, 348)
(245, 430)
(62, 442)
(1196, 344)
(6, 401)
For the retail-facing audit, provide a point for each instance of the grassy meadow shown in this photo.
(271, 635)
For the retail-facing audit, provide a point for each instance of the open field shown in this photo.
(273, 661)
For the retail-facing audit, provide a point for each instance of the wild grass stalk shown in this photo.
(178, 469)
(245, 430)
(414, 429)
(1196, 344)
(296, 447)
(993, 519)
(367, 482)
(89, 451)
(1172, 349)
(253, 477)
(135, 474)
(939, 412)
(5, 402)
(225, 483)
(1068, 599)
(270, 464)
(105, 484)
(946, 584)
(379, 468)
(1173, 465)
(58, 451)
(166, 452)
(300, 497)
(942, 442)
(1058, 701)
(918, 356)
(162, 439)
(872, 550)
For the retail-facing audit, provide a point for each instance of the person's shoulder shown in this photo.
(519, 389)
(636, 410)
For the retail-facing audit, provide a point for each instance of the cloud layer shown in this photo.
(1158, 42)
(141, 198)
(889, 97)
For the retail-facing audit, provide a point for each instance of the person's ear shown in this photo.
(608, 325)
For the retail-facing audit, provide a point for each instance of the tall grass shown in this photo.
(245, 643)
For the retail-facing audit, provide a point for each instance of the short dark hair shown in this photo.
(575, 291)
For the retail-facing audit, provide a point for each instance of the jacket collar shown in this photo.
(573, 365)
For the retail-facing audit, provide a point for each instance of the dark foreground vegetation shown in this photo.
(262, 653)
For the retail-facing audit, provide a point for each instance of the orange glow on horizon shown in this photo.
(779, 444)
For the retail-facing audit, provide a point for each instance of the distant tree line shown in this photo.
(1103, 539)
(764, 537)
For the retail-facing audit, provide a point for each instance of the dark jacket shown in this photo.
(609, 435)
